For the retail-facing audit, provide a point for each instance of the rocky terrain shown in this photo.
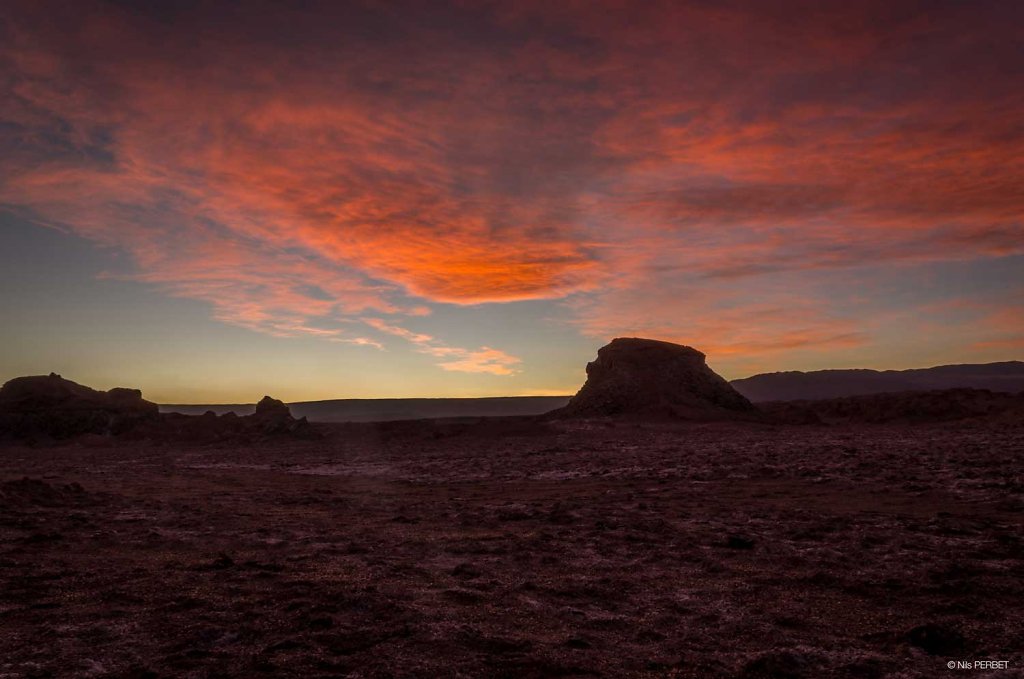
(658, 526)
(516, 548)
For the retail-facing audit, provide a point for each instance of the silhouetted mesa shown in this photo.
(634, 376)
(50, 405)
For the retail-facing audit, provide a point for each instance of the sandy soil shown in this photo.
(519, 550)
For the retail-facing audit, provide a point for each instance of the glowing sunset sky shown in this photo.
(419, 199)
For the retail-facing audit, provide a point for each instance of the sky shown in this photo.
(212, 201)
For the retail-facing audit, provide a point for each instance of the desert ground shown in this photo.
(518, 548)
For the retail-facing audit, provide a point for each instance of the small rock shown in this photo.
(776, 665)
(465, 570)
(321, 623)
(936, 639)
(577, 642)
(739, 542)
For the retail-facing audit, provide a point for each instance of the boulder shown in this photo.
(634, 376)
(272, 408)
(274, 417)
(937, 639)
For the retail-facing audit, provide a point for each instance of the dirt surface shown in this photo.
(518, 550)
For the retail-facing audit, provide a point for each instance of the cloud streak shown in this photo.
(456, 359)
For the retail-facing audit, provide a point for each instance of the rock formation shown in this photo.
(634, 376)
(49, 405)
(271, 408)
(274, 417)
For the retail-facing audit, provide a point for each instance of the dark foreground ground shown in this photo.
(519, 550)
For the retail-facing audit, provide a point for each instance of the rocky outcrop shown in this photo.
(46, 407)
(271, 408)
(271, 420)
(634, 376)
(274, 417)
(51, 406)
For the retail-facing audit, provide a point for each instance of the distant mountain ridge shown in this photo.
(1005, 376)
(389, 409)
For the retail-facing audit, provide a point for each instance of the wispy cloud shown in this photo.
(482, 360)
(360, 341)
(383, 326)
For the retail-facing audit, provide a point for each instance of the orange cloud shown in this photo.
(485, 360)
(636, 161)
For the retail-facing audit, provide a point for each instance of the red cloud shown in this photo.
(606, 154)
